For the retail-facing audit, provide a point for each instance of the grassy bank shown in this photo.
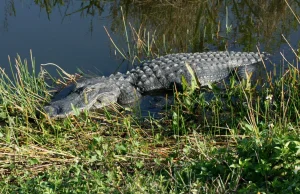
(241, 139)
(236, 137)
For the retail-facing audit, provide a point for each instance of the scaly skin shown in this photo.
(157, 74)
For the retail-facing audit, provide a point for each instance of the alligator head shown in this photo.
(93, 93)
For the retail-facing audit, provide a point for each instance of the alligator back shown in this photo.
(163, 72)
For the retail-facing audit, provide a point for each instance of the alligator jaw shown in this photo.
(85, 97)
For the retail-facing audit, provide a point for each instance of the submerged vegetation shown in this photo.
(242, 136)
(195, 26)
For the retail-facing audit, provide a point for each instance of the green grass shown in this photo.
(242, 139)
(236, 137)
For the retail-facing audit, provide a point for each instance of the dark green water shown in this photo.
(71, 33)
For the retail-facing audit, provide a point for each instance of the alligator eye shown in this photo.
(79, 90)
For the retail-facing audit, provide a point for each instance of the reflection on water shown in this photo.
(71, 34)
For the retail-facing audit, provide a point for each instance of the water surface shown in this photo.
(71, 33)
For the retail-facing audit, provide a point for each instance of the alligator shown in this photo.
(157, 74)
